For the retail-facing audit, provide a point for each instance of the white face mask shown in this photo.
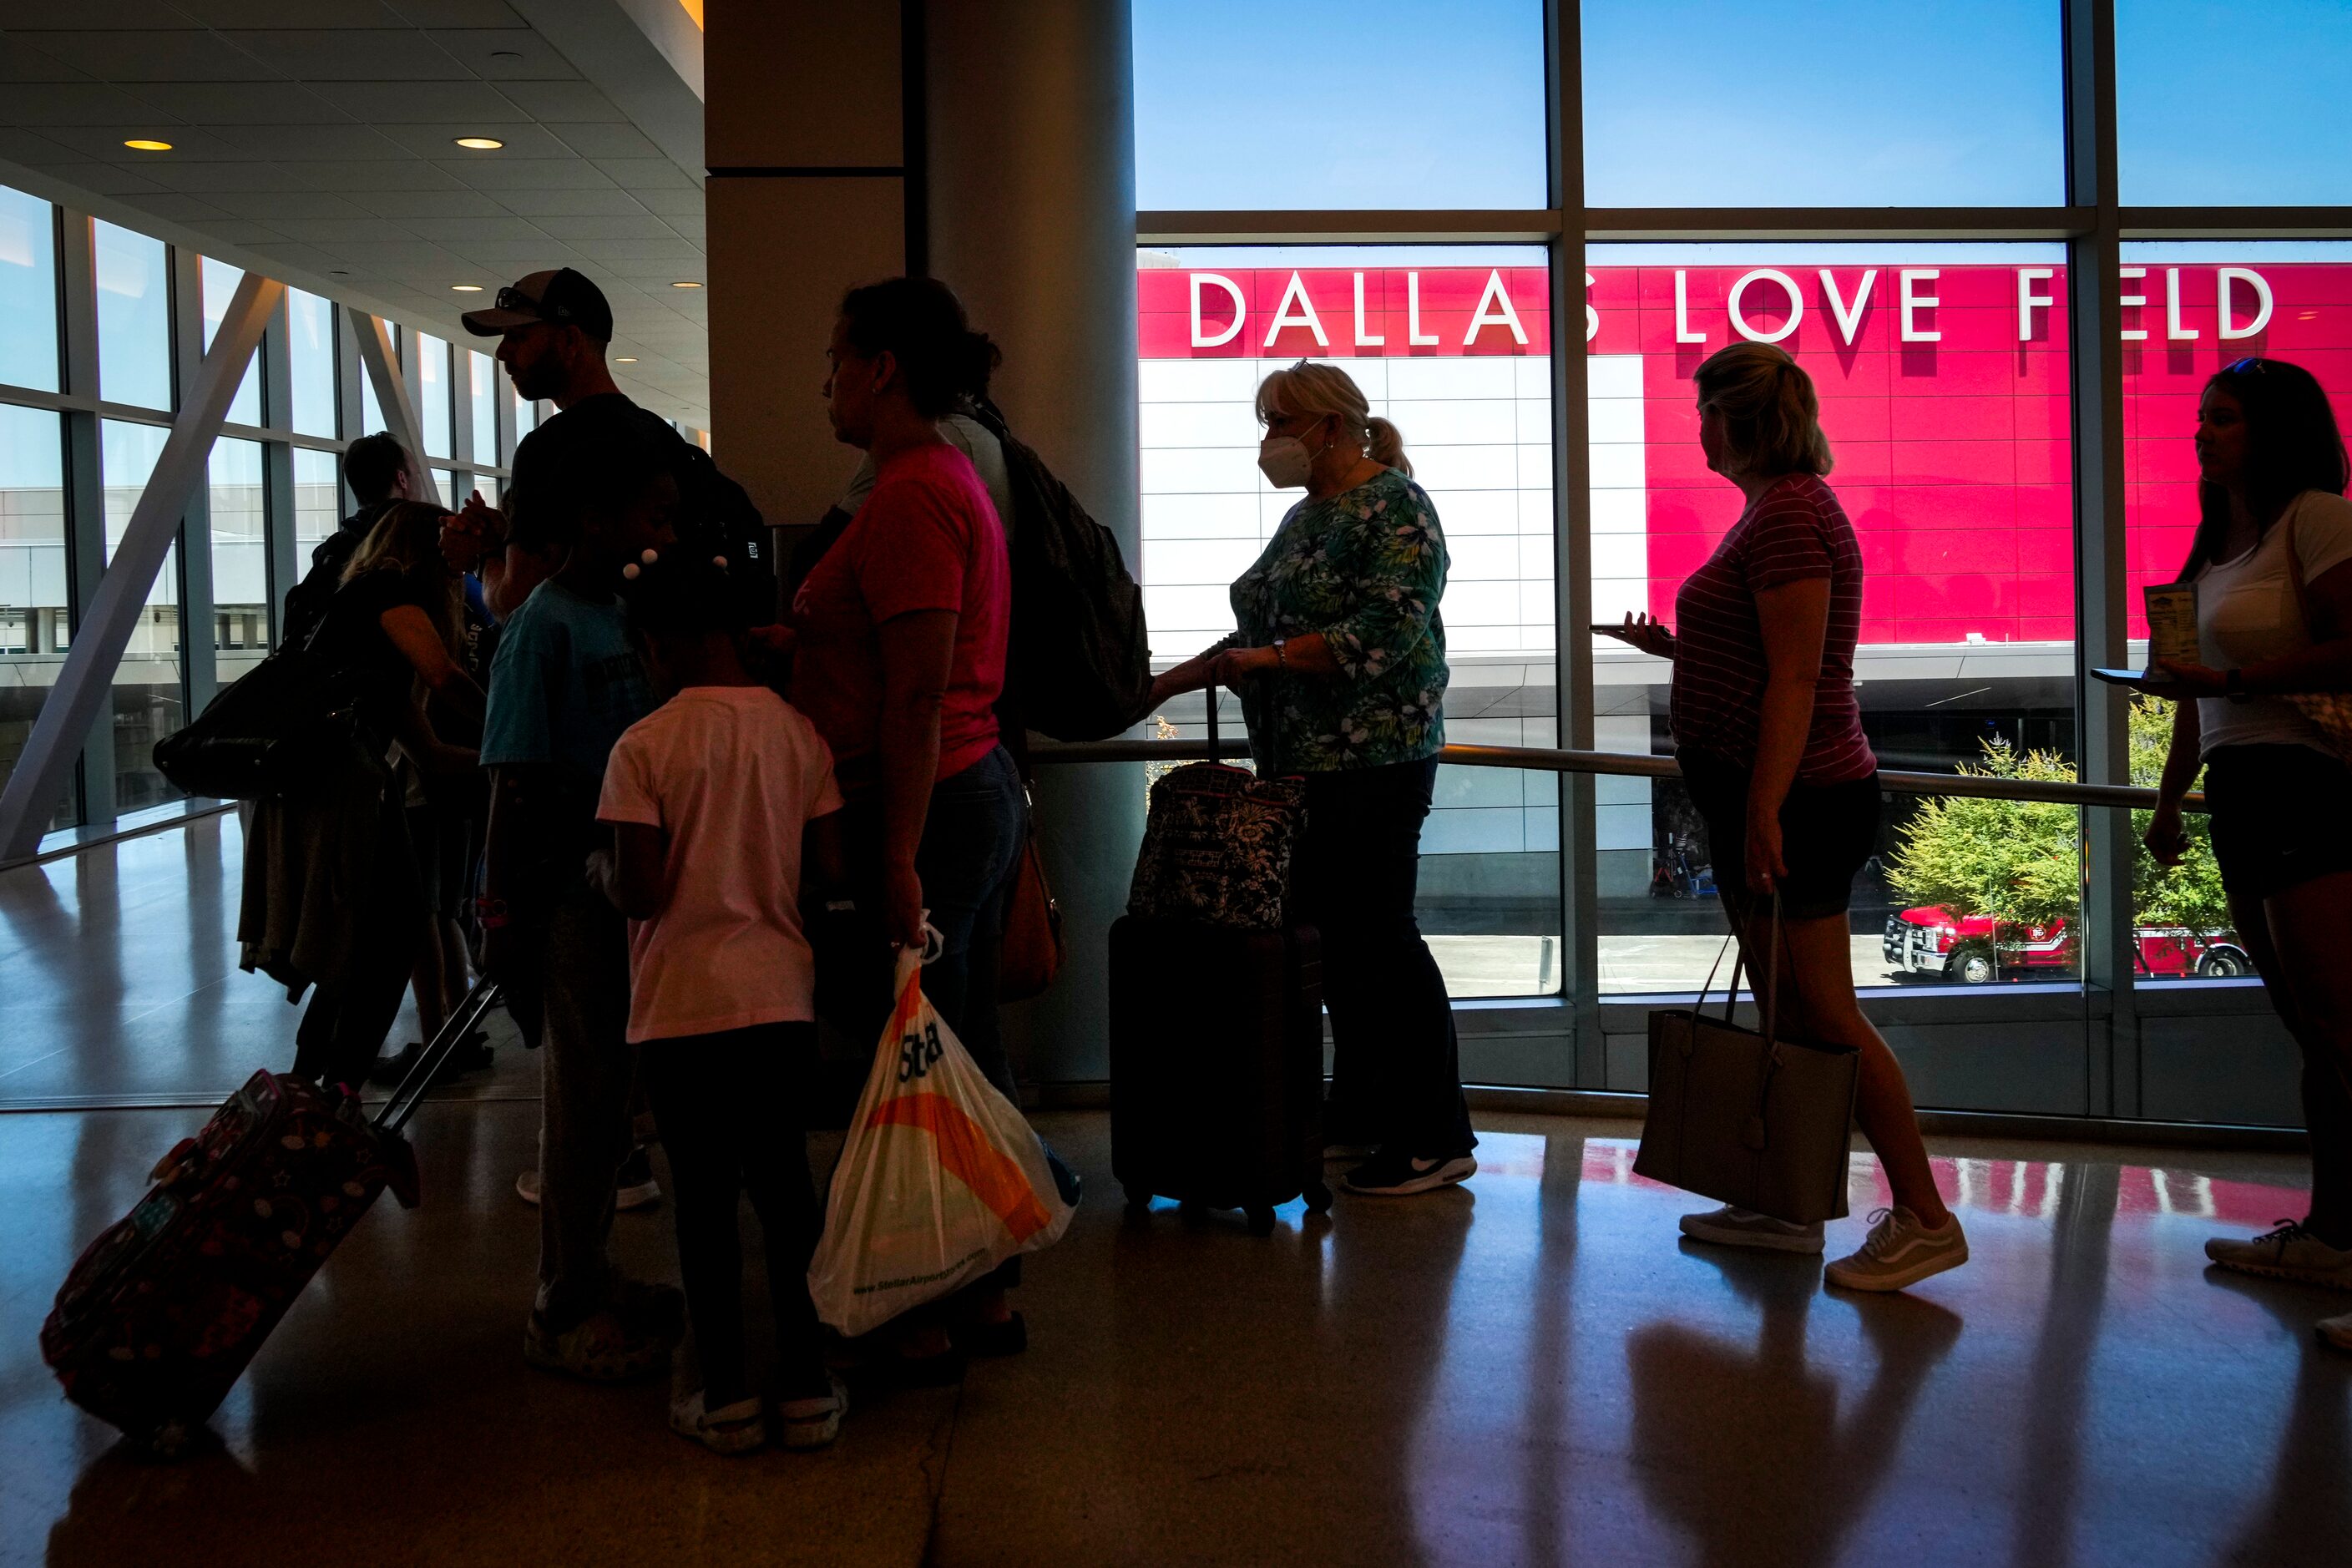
(1285, 461)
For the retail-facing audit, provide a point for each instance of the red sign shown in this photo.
(1944, 393)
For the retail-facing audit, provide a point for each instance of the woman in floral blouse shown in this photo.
(1340, 661)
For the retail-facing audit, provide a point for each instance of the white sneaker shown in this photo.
(806, 1424)
(634, 1187)
(2338, 1332)
(1732, 1227)
(736, 1428)
(2290, 1252)
(1899, 1252)
(527, 1186)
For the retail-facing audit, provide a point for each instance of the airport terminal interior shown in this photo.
(2010, 241)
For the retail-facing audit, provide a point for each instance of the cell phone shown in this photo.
(1609, 628)
(2127, 677)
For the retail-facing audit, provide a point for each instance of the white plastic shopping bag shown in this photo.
(941, 1181)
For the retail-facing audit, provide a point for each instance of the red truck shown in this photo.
(1975, 950)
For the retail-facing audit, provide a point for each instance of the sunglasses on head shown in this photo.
(2250, 366)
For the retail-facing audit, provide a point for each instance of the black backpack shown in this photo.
(718, 513)
(1080, 663)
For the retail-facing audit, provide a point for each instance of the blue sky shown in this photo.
(1439, 103)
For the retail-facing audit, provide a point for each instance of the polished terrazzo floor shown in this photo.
(1533, 1369)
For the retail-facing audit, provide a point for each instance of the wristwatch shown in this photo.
(1281, 658)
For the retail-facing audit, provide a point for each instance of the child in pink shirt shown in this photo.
(716, 799)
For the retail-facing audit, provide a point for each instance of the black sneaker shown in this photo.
(1399, 1174)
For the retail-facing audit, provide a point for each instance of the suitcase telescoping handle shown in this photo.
(434, 1058)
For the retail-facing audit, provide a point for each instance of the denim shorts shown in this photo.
(1827, 831)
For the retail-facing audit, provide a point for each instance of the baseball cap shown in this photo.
(562, 296)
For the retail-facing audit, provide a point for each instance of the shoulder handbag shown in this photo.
(1749, 1118)
(266, 733)
(1032, 952)
(1217, 843)
(2331, 710)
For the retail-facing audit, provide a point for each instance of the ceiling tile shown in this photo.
(309, 258)
(646, 174)
(121, 16)
(356, 178)
(523, 139)
(569, 203)
(501, 54)
(667, 257)
(101, 179)
(603, 139)
(526, 174)
(429, 204)
(335, 230)
(32, 147)
(235, 231)
(460, 14)
(241, 14)
(237, 103)
(524, 256)
(356, 54)
(185, 54)
(610, 225)
(462, 233)
(558, 102)
(20, 62)
(673, 204)
(173, 208)
(271, 207)
(71, 103)
(389, 103)
(308, 143)
(190, 145)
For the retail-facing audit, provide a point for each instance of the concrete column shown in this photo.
(1030, 178)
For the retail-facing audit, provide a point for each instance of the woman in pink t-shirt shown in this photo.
(898, 658)
(1770, 737)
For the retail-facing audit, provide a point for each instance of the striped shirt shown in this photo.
(1794, 530)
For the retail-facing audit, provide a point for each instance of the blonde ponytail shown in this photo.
(1772, 415)
(1325, 391)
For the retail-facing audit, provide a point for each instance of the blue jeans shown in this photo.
(1396, 1070)
(972, 838)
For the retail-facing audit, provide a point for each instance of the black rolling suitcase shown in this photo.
(1216, 1024)
(163, 1311)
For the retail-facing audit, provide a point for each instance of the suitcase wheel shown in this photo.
(1318, 1198)
(1261, 1220)
(1138, 1199)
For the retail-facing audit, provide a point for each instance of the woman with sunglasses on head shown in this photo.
(2272, 565)
(1769, 733)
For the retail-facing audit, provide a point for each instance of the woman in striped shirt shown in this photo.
(1770, 737)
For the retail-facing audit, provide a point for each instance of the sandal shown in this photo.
(736, 1428)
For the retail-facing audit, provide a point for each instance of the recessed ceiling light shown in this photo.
(465, 288)
(686, 285)
(140, 144)
(626, 359)
(479, 144)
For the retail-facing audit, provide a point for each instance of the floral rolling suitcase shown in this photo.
(162, 1313)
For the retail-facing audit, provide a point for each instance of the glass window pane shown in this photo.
(240, 558)
(1821, 103)
(444, 483)
(36, 627)
(432, 416)
(28, 291)
(1215, 127)
(1461, 365)
(219, 283)
(134, 319)
(371, 417)
(1942, 375)
(149, 702)
(2261, 146)
(2207, 304)
(526, 420)
(318, 501)
(482, 396)
(310, 346)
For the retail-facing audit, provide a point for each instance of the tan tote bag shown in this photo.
(1749, 1118)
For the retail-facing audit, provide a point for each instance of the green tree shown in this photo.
(2018, 861)
(2188, 894)
(2022, 860)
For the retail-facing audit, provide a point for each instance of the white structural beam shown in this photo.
(104, 630)
(392, 396)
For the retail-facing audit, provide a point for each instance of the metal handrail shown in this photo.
(1632, 765)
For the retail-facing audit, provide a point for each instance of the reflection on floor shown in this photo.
(1529, 1369)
